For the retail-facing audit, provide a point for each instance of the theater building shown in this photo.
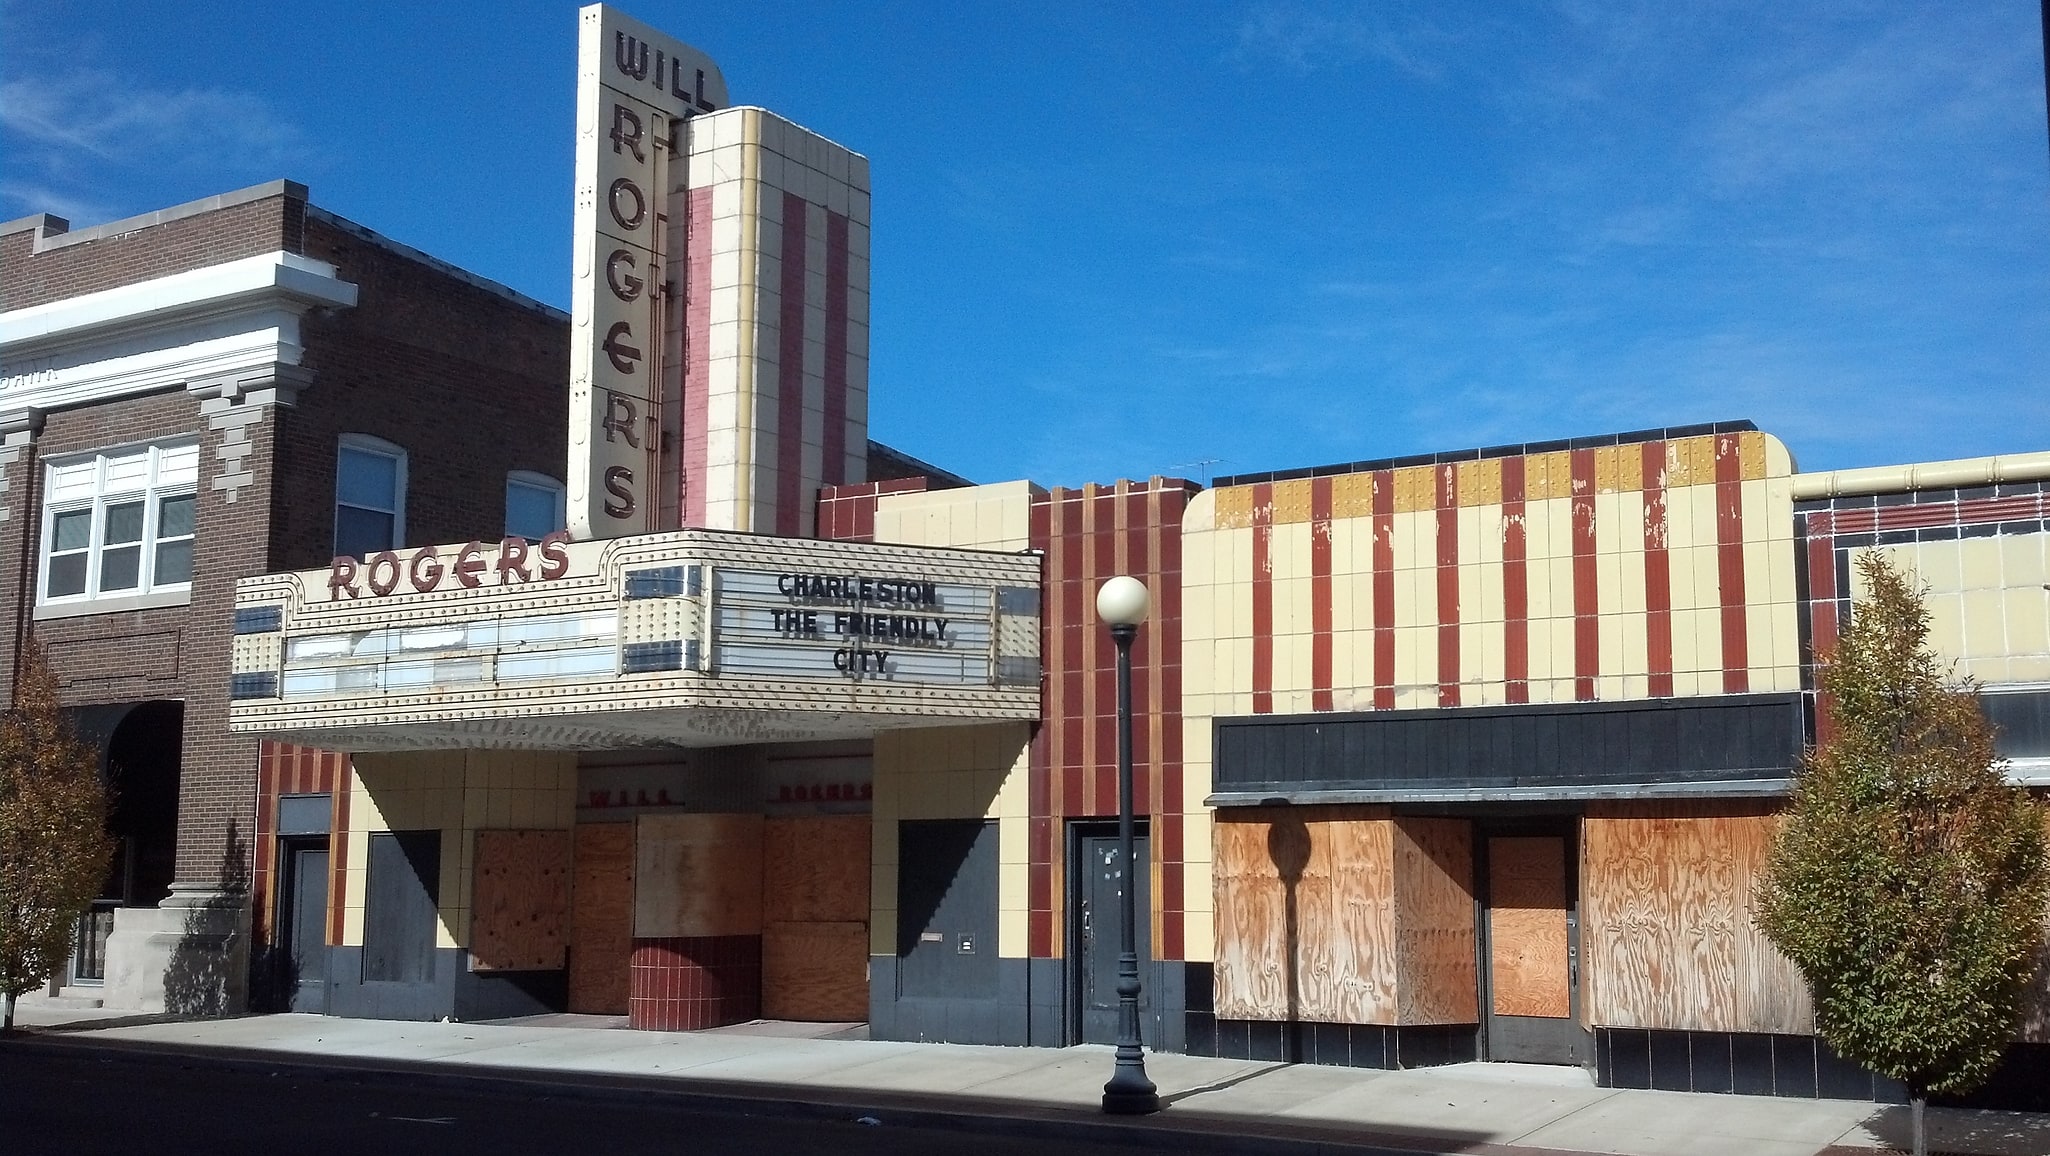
(1471, 755)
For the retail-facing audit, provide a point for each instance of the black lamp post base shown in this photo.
(1138, 1100)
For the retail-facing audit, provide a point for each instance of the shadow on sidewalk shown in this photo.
(1960, 1130)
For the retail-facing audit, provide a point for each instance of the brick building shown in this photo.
(218, 389)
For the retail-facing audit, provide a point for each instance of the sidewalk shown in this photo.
(1479, 1108)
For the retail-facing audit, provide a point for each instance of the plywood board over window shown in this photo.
(1342, 915)
(697, 875)
(1434, 922)
(519, 915)
(1667, 940)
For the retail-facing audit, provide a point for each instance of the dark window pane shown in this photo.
(71, 530)
(124, 523)
(66, 576)
(120, 568)
(174, 562)
(359, 532)
(368, 480)
(174, 517)
(530, 511)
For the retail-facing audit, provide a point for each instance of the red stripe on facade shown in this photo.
(1729, 556)
(833, 437)
(1587, 638)
(338, 858)
(1515, 584)
(1263, 598)
(1075, 653)
(1043, 754)
(1658, 574)
(1103, 514)
(1320, 594)
(1384, 590)
(1822, 623)
(2021, 507)
(790, 370)
(1448, 584)
(267, 758)
(697, 358)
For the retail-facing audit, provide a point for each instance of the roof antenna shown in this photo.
(1203, 464)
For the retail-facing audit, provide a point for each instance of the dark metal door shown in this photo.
(305, 925)
(1098, 882)
(1530, 948)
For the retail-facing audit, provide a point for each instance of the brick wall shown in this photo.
(470, 381)
(175, 246)
(472, 385)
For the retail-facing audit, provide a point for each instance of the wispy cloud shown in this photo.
(1309, 37)
(33, 197)
(67, 134)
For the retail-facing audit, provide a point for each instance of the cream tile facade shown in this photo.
(963, 772)
(457, 793)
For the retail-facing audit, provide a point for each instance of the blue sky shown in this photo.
(1123, 239)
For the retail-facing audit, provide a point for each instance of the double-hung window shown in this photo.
(533, 505)
(370, 496)
(119, 523)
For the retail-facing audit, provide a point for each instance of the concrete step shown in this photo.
(75, 998)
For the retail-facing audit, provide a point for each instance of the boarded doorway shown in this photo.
(1529, 953)
(601, 918)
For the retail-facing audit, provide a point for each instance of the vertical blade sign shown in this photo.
(635, 88)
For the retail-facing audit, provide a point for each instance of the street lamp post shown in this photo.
(1122, 603)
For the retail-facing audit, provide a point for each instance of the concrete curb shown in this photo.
(1180, 1130)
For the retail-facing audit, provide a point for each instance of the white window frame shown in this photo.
(377, 446)
(532, 480)
(147, 591)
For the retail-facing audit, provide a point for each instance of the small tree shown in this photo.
(1907, 881)
(54, 847)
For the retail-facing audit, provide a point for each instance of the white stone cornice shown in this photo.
(270, 280)
(232, 322)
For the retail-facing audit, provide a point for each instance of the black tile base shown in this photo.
(1799, 1067)
(1333, 1045)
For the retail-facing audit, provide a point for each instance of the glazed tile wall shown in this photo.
(992, 517)
(848, 513)
(775, 258)
(1982, 552)
(1648, 566)
(457, 793)
(285, 769)
(954, 772)
(1088, 535)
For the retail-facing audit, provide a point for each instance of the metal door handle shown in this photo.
(1085, 921)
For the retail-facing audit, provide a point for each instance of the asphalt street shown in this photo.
(74, 1101)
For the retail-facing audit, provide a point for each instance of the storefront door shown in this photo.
(1099, 877)
(1529, 954)
(305, 923)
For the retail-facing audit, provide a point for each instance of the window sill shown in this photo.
(113, 605)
